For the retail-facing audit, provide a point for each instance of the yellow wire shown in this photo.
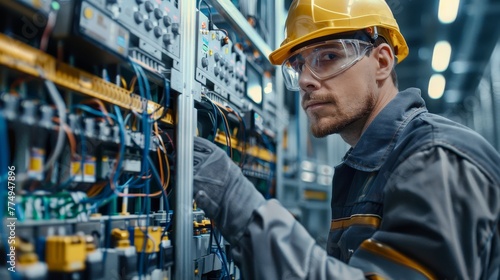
(124, 83)
(166, 157)
(96, 188)
(228, 136)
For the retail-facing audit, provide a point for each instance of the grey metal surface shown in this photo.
(185, 127)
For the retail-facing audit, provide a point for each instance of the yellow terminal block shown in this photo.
(66, 253)
(153, 239)
(16, 55)
(26, 250)
(121, 238)
(89, 243)
(203, 223)
(28, 259)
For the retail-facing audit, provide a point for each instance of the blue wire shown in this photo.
(146, 125)
(145, 232)
(121, 125)
(139, 80)
(160, 183)
(219, 249)
(167, 93)
(127, 118)
(145, 167)
(145, 92)
(146, 82)
(93, 111)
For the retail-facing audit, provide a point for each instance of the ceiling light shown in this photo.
(441, 56)
(437, 83)
(448, 10)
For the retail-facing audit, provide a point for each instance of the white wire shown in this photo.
(61, 112)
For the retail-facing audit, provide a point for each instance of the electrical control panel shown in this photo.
(154, 27)
(220, 64)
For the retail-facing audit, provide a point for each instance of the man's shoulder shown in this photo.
(434, 129)
(428, 131)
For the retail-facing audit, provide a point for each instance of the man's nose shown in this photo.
(307, 81)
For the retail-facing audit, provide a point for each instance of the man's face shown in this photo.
(338, 102)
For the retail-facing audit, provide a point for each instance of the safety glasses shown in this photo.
(324, 60)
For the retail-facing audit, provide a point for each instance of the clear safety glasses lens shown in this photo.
(324, 60)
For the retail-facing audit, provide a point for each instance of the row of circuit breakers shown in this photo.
(88, 92)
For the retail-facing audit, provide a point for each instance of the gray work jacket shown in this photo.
(417, 198)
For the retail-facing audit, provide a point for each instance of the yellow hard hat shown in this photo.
(311, 19)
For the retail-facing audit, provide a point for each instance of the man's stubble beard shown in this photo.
(322, 130)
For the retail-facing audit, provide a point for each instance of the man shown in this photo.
(417, 196)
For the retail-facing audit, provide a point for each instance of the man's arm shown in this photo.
(268, 242)
(440, 219)
(275, 246)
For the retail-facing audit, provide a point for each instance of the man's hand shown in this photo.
(221, 190)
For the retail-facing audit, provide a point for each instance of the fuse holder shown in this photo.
(152, 243)
(66, 253)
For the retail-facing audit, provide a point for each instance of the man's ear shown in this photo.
(386, 60)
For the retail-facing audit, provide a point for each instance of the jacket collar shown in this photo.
(379, 139)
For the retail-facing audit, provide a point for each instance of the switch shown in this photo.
(148, 24)
(175, 28)
(149, 6)
(158, 14)
(167, 39)
(167, 21)
(204, 62)
(158, 31)
(138, 17)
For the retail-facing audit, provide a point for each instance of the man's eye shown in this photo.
(301, 66)
(298, 65)
(328, 56)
